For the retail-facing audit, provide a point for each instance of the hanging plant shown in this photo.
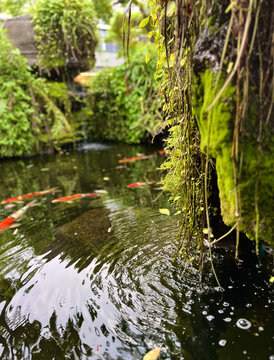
(65, 32)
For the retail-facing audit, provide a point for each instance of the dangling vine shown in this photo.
(215, 61)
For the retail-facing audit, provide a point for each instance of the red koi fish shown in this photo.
(27, 196)
(135, 158)
(141, 183)
(9, 221)
(74, 197)
(161, 152)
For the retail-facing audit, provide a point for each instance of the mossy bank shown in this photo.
(255, 175)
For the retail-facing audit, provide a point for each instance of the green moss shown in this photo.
(256, 180)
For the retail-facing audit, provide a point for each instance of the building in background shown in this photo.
(106, 54)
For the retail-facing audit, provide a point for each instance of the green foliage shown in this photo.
(125, 108)
(12, 7)
(103, 9)
(216, 139)
(30, 119)
(232, 118)
(16, 109)
(64, 31)
(116, 29)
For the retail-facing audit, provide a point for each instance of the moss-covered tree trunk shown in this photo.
(216, 62)
(232, 101)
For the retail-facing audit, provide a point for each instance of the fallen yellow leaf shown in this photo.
(271, 279)
(153, 354)
(164, 211)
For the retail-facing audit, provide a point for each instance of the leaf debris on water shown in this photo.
(153, 354)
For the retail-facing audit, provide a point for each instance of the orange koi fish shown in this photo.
(74, 197)
(161, 152)
(27, 196)
(135, 158)
(83, 78)
(5, 224)
(141, 183)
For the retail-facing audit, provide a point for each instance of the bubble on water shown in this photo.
(248, 305)
(222, 342)
(210, 317)
(204, 312)
(271, 357)
(260, 328)
(228, 319)
(220, 311)
(243, 324)
(225, 303)
(244, 352)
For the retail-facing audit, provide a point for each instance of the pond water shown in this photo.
(95, 278)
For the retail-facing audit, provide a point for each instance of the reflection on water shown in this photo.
(94, 278)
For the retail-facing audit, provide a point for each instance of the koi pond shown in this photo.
(94, 277)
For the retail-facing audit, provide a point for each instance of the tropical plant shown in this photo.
(12, 7)
(64, 32)
(33, 116)
(124, 100)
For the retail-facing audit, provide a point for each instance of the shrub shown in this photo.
(64, 32)
(124, 100)
(30, 121)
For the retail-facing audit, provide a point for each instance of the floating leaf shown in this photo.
(164, 211)
(106, 178)
(271, 279)
(144, 22)
(153, 354)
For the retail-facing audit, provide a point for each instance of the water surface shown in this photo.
(95, 278)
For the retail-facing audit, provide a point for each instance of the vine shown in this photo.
(207, 58)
